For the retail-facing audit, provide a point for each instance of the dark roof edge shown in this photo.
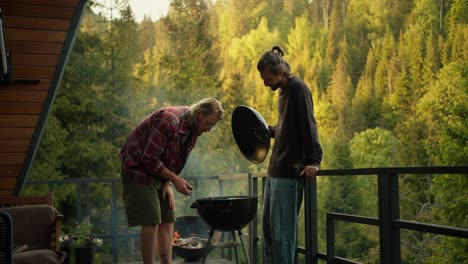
(37, 136)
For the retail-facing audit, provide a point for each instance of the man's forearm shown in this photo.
(168, 175)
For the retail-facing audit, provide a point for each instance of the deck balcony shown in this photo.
(122, 241)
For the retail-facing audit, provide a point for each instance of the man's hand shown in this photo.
(182, 186)
(168, 194)
(309, 172)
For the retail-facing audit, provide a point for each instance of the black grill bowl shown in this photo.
(227, 213)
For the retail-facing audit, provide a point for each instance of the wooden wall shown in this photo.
(37, 35)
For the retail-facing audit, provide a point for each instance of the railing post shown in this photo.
(253, 230)
(389, 210)
(330, 239)
(221, 193)
(78, 202)
(221, 187)
(196, 185)
(311, 239)
(262, 199)
(88, 198)
(115, 251)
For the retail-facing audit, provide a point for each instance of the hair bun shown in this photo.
(277, 50)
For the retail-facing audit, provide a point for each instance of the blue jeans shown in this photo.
(281, 204)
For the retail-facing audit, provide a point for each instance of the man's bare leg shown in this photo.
(148, 243)
(164, 242)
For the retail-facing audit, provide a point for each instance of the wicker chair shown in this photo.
(36, 229)
(6, 238)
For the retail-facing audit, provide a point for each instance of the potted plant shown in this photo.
(83, 241)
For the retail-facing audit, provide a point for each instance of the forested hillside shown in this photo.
(389, 80)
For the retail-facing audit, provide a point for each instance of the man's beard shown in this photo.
(275, 86)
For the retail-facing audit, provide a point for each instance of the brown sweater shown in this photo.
(296, 139)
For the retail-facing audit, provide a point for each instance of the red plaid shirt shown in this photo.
(156, 143)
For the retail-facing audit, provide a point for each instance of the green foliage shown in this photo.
(83, 236)
(190, 62)
(341, 91)
(51, 153)
(374, 148)
(426, 17)
(458, 11)
(444, 110)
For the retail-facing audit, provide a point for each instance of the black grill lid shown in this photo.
(251, 133)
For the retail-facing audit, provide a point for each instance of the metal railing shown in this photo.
(388, 221)
(83, 189)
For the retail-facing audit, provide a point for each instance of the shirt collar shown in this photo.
(187, 125)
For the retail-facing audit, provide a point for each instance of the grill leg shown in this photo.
(233, 233)
(208, 246)
(243, 247)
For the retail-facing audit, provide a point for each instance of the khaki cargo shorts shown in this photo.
(144, 204)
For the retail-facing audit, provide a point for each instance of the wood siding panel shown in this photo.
(36, 31)
(44, 84)
(16, 133)
(34, 47)
(67, 3)
(20, 108)
(9, 171)
(22, 96)
(7, 183)
(13, 34)
(5, 194)
(12, 158)
(18, 120)
(36, 23)
(17, 145)
(16, 9)
(33, 72)
(35, 60)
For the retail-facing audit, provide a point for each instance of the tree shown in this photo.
(341, 92)
(425, 17)
(358, 28)
(48, 160)
(374, 148)
(301, 40)
(443, 109)
(395, 14)
(342, 195)
(367, 102)
(189, 63)
(336, 31)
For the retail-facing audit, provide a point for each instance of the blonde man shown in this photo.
(152, 157)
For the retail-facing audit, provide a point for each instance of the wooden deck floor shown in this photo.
(209, 260)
